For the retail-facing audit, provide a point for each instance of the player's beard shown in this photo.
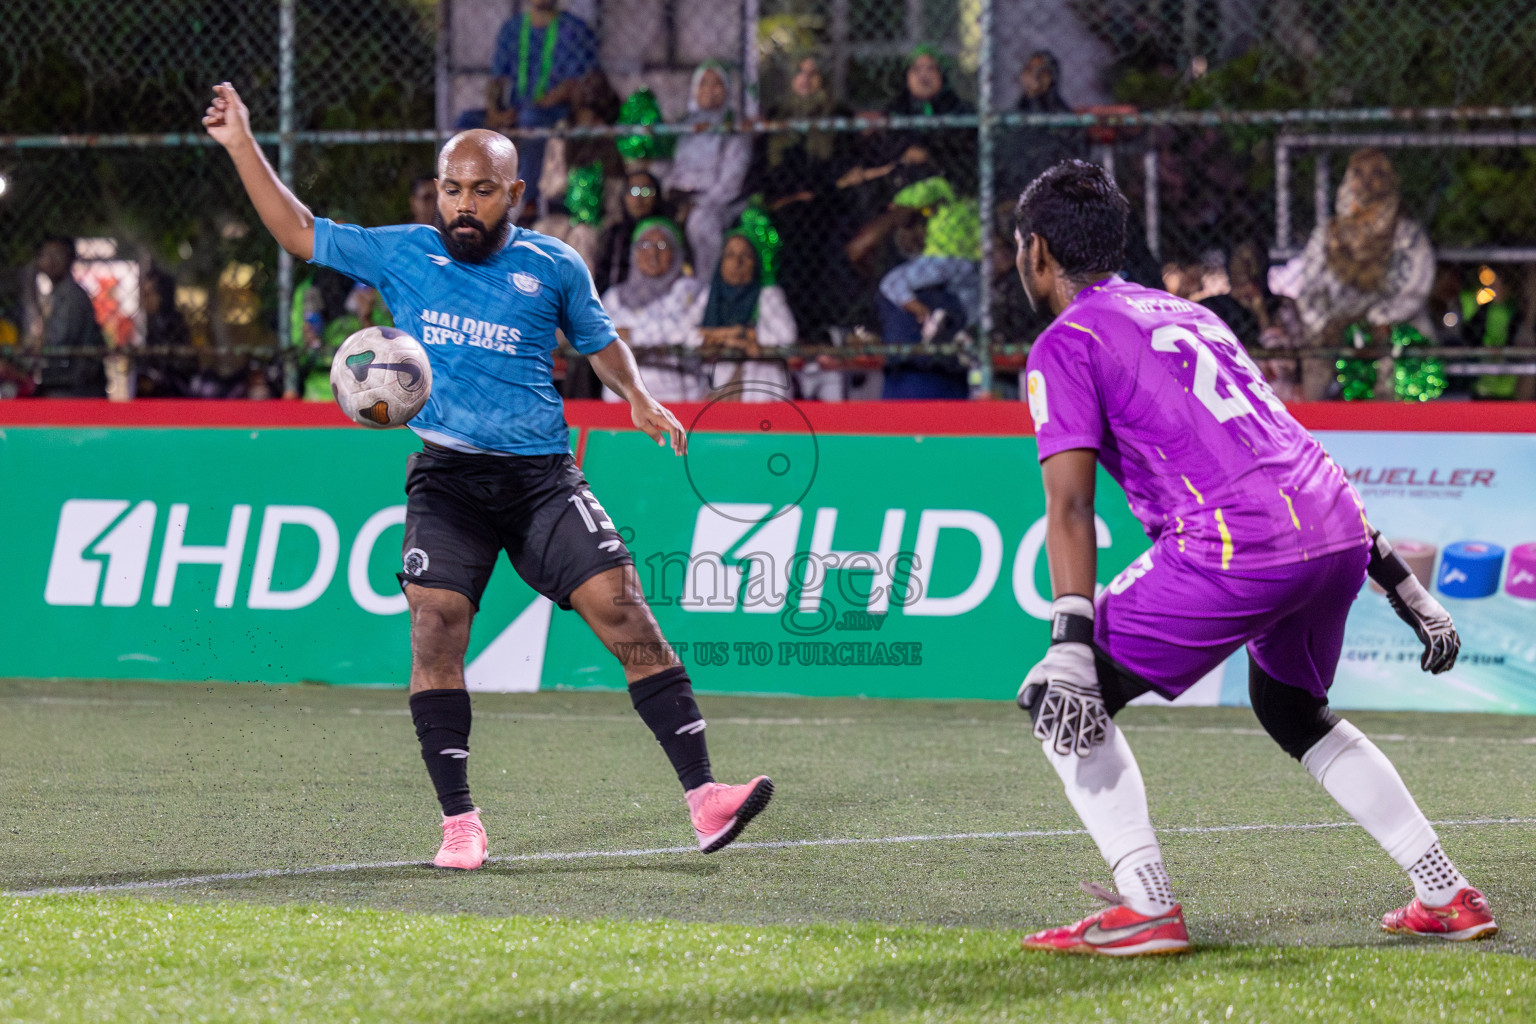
(486, 242)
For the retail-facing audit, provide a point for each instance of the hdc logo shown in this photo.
(747, 556)
(101, 555)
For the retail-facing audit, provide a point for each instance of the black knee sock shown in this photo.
(665, 703)
(442, 725)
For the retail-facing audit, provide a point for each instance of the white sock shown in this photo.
(1435, 879)
(1142, 880)
(1106, 790)
(1363, 781)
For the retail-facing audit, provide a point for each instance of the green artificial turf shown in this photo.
(128, 783)
(103, 959)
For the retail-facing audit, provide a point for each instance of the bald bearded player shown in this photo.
(495, 472)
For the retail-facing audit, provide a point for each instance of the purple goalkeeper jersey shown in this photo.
(1210, 459)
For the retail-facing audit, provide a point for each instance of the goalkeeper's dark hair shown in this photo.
(1080, 212)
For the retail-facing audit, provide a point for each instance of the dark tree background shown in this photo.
(79, 66)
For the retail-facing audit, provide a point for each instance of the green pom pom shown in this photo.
(929, 193)
(1413, 380)
(584, 194)
(642, 108)
(759, 230)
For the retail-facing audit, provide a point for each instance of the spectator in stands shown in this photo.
(1038, 85)
(59, 314)
(14, 381)
(866, 225)
(423, 199)
(927, 93)
(709, 168)
(1205, 280)
(1024, 153)
(742, 314)
(935, 294)
(808, 98)
(798, 184)
(1246, 273)
(576, 171)
(1474, 310)
(1370, 261)
(927, 89)
(539, 62)
(163, 374)
(641, 199)
(654, 308)
(327, 307)
(875, 235)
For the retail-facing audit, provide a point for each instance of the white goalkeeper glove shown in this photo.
(1415, 606)
(1061, 693)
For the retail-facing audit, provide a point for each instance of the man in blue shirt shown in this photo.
(541, 57)
(496, 472)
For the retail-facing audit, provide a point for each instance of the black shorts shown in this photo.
(462, 510)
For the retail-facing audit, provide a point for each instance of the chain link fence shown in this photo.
(872, 155)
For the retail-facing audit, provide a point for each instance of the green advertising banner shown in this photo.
(837, 565)
(246, 555)
(776, 562)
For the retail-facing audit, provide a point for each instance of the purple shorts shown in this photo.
(1169, 621)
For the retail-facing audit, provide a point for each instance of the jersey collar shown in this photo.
(1094, 289)
(512, 235)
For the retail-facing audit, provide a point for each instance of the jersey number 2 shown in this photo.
(1234, 403)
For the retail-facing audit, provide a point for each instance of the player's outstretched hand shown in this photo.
(228, 120)
(1416, 606)
(1430, 621)
(1062, 696)
(658, 423)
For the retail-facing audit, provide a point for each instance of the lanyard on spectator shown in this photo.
(546, 61)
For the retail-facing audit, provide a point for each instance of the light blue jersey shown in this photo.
(488, 328)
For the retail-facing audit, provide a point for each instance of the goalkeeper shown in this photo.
(1258, 540)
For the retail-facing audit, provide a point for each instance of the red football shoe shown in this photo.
(1465, 917)
(1116, 930)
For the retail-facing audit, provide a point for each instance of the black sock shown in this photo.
(442, 725)
(665, 703)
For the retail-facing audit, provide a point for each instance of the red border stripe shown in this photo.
(900, 418)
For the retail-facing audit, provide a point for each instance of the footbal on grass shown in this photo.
(381, 377)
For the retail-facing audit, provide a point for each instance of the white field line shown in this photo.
(553, 716)
(662, 851)
(790, 721)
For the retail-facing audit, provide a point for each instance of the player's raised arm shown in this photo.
(615, 367)
(229, 123)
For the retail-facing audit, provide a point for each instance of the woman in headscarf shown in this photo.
(1370, 262)
(655, 308)
(741, 313)
(1025, 152)
(927, 93)
(796, 177)
(641, 199)
(709, 168)
(807, 99)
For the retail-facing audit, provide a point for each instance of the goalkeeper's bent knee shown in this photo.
(1294, 718)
